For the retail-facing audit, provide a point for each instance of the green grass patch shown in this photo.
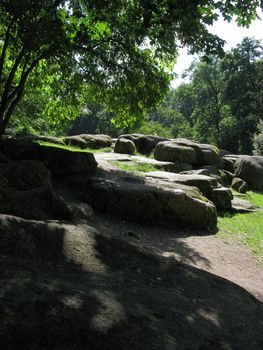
(135, 167)
(247, 228)
(75, 149)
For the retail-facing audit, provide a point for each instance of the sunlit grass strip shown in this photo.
(135, 167)
(75, 149)
(248, 228)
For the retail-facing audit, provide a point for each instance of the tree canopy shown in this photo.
(119, 51)
(222, 102)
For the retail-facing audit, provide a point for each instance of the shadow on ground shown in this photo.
(66, 286)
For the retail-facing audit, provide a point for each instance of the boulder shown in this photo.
(17, 148)
(32, 197)
(209, 187)
(97, 140)
(222, 198)
(170, 151)
(146, 200)
(57, 160)
(124, 146)
(39, 203)
(51, 139)
(239, 185)
(211, 170)
(145, 144)
(204, 183)
(75, 141)
(240, 205)
(250, 169)
(25, 174)
(61, 161)
(205, 154)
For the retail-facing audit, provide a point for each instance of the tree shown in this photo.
(243, 69)
(120, 49)
(258, 140)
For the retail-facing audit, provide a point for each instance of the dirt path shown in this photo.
(224, 258)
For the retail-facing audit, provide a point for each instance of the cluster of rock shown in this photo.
(240, 172)
(192, 188)
(26, 170)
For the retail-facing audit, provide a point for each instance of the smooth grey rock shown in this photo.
(210, 188)
(172, 152)
(124, 146)
(243, 206)
(75, 141)
(250, 169)
(146, 200)
(97, 140)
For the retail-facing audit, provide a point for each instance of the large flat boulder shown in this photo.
(205, 154)
(97, 140)
(57, 160)
(62, 161)
(172, 152)
(209, 186)
(250, 169)
(141, 200)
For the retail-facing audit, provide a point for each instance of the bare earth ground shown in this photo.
(224, 258)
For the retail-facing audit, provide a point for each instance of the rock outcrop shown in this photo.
(57, 160)
(189, 152)
(250, 169)
(26, 191)
(209, 187)
(141, 200)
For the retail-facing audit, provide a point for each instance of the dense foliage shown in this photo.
(222, 103)
(118, 53)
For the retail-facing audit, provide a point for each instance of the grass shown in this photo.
(134, 167)
(75, 149)
(247, 228)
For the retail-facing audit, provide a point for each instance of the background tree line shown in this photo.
(221, 104)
